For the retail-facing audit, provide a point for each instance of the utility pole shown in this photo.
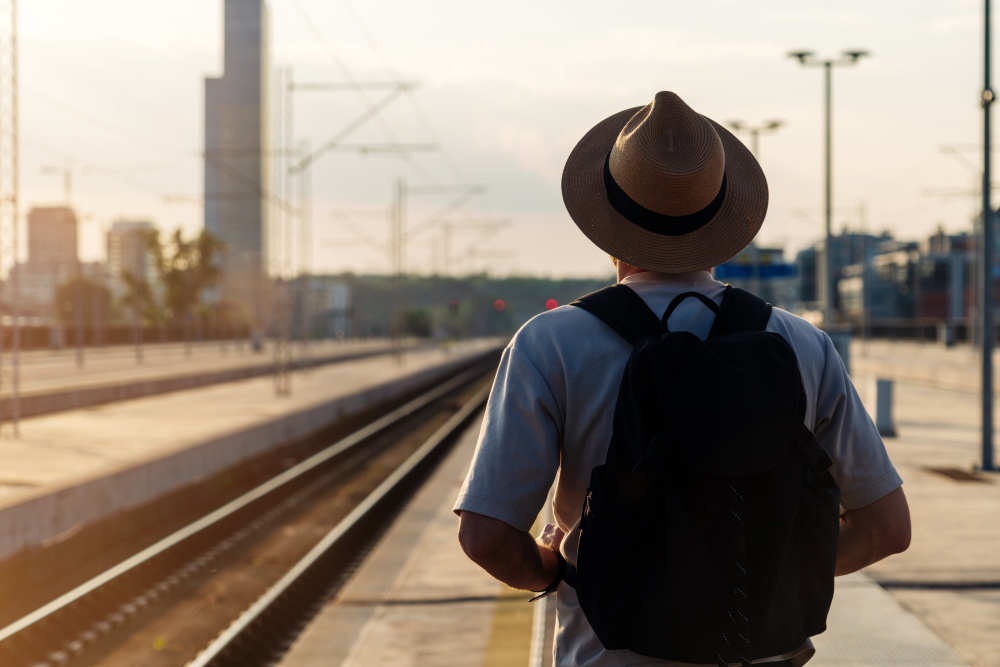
(768, 127)
(78, 313)
(866, 270)
(297, 163)
(397, 256)
(305, 255)
(989, 327)
(9, 211)
(846, 59)
(137, 300)
(284, 223)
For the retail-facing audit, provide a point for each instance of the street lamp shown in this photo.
(846, 59)
(768, 127)
(987, 250)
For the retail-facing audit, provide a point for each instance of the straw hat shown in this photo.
(663, 188)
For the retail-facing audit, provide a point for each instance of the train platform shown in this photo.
(55, 380)
(74, 467)
(417, 600)
(930, 364)
(950, 576)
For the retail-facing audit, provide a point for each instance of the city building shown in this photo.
(236, 138)
(128, 253)
(52, 258)
(327, 304)
(846, 249)
(930, 280)
(948, 276)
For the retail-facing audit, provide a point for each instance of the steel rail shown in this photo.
(234, 506)
(218, 647)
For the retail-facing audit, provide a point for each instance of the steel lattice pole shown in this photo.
(9, 206)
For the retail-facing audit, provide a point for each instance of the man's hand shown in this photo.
(871, 533)
(551, 537)
(510, 555)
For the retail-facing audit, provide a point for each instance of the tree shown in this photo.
(138, 298)
(92, 297)
(186, 267)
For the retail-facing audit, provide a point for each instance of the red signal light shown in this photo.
(499, 305)
(550, 304)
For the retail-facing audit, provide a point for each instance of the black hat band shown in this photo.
(658, 223)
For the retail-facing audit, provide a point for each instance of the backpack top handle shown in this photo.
(719, 316)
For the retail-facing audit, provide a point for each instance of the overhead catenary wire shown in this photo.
(346, 220)
(372, 112)
(414, 101)
(106, 126)
(219, 160)
(255, 188)
(357, 88)
(104, 169)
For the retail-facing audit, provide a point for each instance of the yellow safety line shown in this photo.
(510, 636)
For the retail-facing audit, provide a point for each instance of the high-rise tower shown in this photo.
(236, 160)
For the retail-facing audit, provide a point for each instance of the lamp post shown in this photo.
(810, 59)
(768, 127)
(986, 293)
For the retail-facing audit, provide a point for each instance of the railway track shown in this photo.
(237, 585)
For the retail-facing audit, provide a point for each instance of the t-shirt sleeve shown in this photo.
(517, 456)
(861, 465)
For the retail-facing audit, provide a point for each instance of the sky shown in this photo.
(112, 90)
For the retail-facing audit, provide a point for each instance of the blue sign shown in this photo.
(731, 270)
(778, 271)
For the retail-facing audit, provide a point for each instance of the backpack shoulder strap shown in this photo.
(742, 311)
(623, 310)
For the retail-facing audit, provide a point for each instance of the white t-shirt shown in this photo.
(550, 415)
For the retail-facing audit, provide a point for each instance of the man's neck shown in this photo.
(641, 275)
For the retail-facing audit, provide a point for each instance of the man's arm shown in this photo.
(510, 555)
(873, 532)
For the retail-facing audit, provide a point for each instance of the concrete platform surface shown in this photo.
(77, 466)
(45, 371)
(950, 576)
(867, 626)
(928, 363)
(417, 600)
(53, 381)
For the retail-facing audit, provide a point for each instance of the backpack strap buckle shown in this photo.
(651, 463)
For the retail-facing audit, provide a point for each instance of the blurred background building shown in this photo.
(236, 135)
(128, 254)
(52, 257)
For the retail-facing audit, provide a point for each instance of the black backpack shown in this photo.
(709, 535)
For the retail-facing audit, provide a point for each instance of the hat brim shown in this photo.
(731, 229)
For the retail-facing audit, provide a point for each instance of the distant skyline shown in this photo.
(114, 89)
